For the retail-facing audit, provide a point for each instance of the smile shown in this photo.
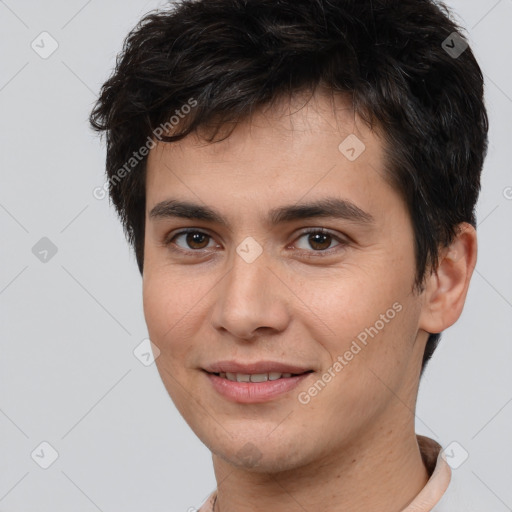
(254, 388)
(257, 377)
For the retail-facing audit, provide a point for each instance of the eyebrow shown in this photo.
(329, 207)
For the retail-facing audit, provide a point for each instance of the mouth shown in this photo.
(256, 377)
(252, 388)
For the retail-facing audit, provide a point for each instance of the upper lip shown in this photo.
(254, 368)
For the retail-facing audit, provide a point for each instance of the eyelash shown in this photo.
(316, 254)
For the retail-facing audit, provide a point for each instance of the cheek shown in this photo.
(166, 297)
(349, 304)
(372, 319)
(163, 310)
(164, 314)
(154, 303)
(173, 314)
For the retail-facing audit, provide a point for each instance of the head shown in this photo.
(244, 107)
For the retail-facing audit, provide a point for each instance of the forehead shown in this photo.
(304, 146)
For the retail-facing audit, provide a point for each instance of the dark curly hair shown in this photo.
(235, 56)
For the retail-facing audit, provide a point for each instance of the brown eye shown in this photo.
(193, 240)
(320, 241)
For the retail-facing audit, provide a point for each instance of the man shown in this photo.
(298, 179)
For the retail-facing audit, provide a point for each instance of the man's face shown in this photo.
(254, 290)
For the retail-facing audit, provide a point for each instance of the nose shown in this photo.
(251, 300)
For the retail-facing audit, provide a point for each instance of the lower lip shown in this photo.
(254, 392)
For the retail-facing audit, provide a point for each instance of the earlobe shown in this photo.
(446, 289)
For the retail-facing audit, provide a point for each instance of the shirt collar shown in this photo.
(440, 476)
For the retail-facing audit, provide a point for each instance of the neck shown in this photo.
(384, 472)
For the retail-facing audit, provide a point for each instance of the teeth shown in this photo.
(257, 377)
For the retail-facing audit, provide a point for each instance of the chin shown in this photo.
(262, 456)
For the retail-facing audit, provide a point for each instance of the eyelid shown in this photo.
(342, 241)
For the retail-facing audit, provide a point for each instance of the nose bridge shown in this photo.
(246, 279)
(248, 296)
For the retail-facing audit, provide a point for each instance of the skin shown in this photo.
(353, 446)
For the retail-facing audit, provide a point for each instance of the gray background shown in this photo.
(68, 375)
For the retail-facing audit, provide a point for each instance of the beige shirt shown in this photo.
(432, 498)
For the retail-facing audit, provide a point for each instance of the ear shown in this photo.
(446, 289)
